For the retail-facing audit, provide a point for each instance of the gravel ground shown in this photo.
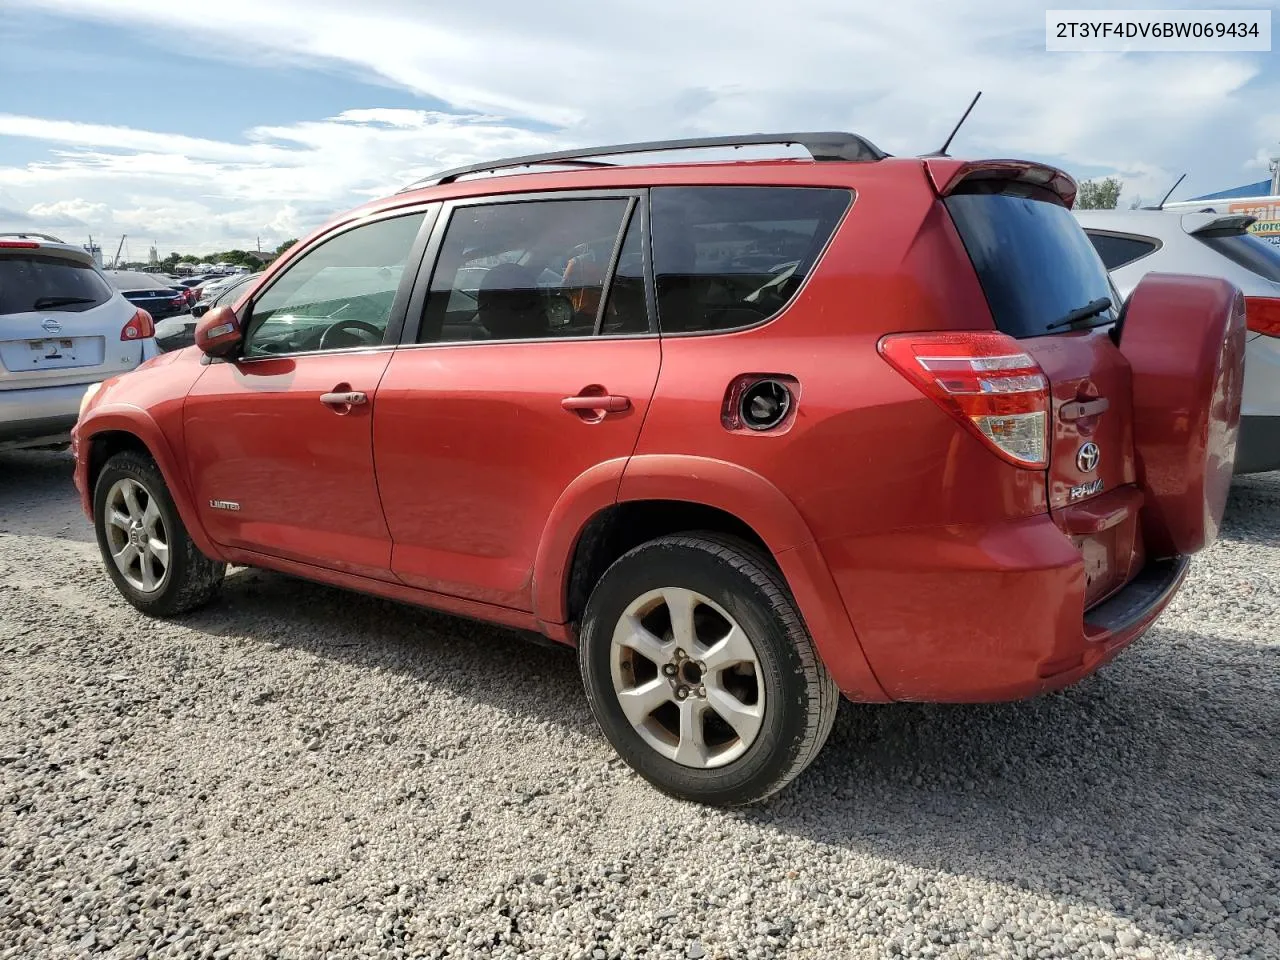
(301, 772)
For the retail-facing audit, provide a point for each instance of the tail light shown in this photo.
(18, 245)
(1262, 315)
(139, 327)
(986, 382)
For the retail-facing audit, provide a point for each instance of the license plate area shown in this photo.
(38, 354)
(1099, 554)
(1107, 533)
(54, 352)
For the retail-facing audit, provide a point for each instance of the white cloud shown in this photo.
(75, 212)
(282, 181)
(631, 70)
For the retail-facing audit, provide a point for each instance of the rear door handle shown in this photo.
(1079, 409)
(351, 398)
(608, 403)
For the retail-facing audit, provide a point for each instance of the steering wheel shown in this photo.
(353, 326)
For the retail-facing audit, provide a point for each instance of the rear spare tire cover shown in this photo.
(1184, 338)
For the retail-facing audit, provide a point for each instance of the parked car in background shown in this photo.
(1133, 243)
(188, 293)
(217, 285)
(62, 328)
(150, 292)
(746, 443)
(174, 333)
(225, 293)
(191, 286)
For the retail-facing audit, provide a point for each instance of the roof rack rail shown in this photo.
(821, 146)
(30, 234)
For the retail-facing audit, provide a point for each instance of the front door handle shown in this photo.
(1079, 409)
(350, 398)
(606, 402)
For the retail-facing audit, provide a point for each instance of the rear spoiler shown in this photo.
(1216, 224)
(948, 175)
(29, 236)
(67, 251)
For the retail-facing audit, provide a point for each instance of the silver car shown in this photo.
(62, 328)
(1133, 243)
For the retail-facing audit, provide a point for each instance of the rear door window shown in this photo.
(1253, 253)
(1116, 250)
(728, 257)
(1033, 259)
(42, 283)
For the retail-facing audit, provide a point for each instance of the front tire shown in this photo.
(700, 671)
(145, 547)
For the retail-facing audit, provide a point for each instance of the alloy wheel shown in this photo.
(687, 677)
(136, 535)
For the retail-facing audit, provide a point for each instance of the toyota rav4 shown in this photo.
(751, 435)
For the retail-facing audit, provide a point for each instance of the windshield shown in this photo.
(1034, 261)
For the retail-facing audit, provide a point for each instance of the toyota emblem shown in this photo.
(1087, 457)
(51, 325)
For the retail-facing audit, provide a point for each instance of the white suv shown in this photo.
(1133, 243)
(63, 327)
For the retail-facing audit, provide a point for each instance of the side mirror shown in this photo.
(218, 333)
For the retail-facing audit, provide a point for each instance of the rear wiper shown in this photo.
(1089, 310)
(44, 303)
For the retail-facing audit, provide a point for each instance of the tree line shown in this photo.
(237, 258)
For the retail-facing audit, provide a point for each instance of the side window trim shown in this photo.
(417, 300)
(395, 324)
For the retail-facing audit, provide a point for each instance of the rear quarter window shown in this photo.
(34, 282)
(1116, 251)
(729, 257)
(1033, 259)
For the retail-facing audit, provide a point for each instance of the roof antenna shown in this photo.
(942, 151)
(1160, 205)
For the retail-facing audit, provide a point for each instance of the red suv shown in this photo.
(750, 434)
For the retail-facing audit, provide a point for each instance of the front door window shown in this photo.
(338, 295)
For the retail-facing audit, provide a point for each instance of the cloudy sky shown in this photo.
(206, 125)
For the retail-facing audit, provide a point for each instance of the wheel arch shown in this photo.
(112, 430)
(605, 509)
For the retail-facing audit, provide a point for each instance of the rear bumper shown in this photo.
(985, 614)
(1258, 448)
(38, 413)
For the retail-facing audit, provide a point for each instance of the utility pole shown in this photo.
(1275, 176)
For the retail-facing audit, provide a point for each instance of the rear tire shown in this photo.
(145, 547)
(728, 708)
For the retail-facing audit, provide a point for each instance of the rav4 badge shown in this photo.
(1085, 489)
